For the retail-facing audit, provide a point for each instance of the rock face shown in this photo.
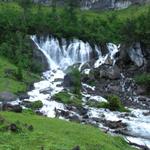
(100, 4)
(135, 54)
(110, 4)
(7, 97)
(39, 58)
(14, 108)
(108, 72)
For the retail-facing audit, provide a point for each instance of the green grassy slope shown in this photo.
(54, 134)
(8, 81)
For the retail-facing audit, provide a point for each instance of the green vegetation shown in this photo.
(68, 98)
(100, 26)
(114, 104)
(36, 105)
(75, 79)
(97, 104)
(9, 77)
(143, 80)
(20, 19)
(54, 134)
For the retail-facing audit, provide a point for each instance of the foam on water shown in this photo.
(60, 57)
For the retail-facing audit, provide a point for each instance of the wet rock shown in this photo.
(115, 124)
(46, 91)
(13, 127)
(68, 81)
(140, 90)
(27, 104)
(96, 119)
(7, 97)
(64, 113)
(146, 113)
(136, 55)
(108, 72)
(83, 111)
(74, 118)
(39, 59)
(115, 88)
(14, 108)
(23, 96)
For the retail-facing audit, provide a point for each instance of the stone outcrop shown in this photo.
(100, 4)
(39, 58)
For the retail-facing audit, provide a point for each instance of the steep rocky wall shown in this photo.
(100, 4)
(110, 4)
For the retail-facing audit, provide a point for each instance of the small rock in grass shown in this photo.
(13, 127)
(76, 148)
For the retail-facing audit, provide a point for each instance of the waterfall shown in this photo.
(67, 53)
(63, 55)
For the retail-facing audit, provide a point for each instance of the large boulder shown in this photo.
(108, 72)
(10, 107)
(39, 59)
(7, 97)
(136, 55)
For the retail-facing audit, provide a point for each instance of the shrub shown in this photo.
(115, 104)
(19, 74)
(97, 104)
(75, 75)
(36, 105)
(143, 79)
(67, 98)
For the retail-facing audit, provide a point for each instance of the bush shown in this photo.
(143, 79)
(115, 104)
(19, 74)
(67, 98)
(75, 75)
(36, 105)
(97, 104)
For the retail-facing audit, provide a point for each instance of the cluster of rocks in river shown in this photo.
(118, 78)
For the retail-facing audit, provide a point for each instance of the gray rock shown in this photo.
(115, 124)
(39, 58)
(99, 4)
(74, 118)
(109, 72)
(136, 55)
(7, 97)
(14, 108)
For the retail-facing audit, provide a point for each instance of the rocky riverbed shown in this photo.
(102, 74)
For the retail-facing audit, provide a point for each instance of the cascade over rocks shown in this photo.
(106, 69)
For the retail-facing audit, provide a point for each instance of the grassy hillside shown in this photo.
(54, 134)
(9, 80)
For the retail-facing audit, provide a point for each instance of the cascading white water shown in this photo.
(71, 52)
(64, 55)
(60, 57)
